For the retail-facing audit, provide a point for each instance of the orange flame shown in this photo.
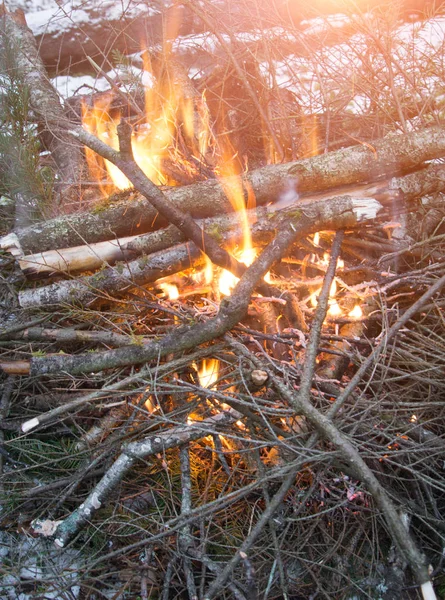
(171, 106)
(356, 312)
(170, 289)
(208, 372)
(232, 184)
(99, 122)
(334, 309)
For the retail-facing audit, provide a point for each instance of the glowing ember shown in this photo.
(356, 312)
(149, 405)
(208, 271)
(170, 289)
(334, 309)
(227, 282)
(313, 298)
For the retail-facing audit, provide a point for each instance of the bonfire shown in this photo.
(222, 323)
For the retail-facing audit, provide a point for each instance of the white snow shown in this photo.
(44, 16)
(84, 84)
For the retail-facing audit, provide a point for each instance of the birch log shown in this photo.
(334, 213)
(130, 214)
(346, 211)
(91, 257)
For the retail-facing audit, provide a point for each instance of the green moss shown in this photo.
(109, 201)
(295, 215)
(215, 232)
(38, 353)
(98, 278)
(143, 261)
(137, 340)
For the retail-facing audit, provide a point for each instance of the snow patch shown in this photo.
(69, 86)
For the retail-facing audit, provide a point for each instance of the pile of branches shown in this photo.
(310, 464)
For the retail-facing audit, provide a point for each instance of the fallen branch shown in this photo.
(332, 213)
(65, 39)
(113, 389)
(351, 456)
(324, 425)
(305, 386)
(130, 214)
(90, 257)
(232, 309)
(150, 445)
(72, 336)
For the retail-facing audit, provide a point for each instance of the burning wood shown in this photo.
(231, 350)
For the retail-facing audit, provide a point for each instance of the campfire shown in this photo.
(226, 346)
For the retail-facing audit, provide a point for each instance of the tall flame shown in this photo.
(173, 111)
(208, 372)
(99, 122)
(232, 185)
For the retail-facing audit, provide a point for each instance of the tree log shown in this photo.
(129, 213)
(91, 257)
(345, 211)
(334, 213)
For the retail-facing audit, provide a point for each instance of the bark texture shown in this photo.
(44, 101)
(335, 213)
(129, 213)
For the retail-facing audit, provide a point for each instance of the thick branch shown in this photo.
(333, 213)
(132, 214)
(232, 309)
(90, 257)
(44, 101)
(124, 160)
